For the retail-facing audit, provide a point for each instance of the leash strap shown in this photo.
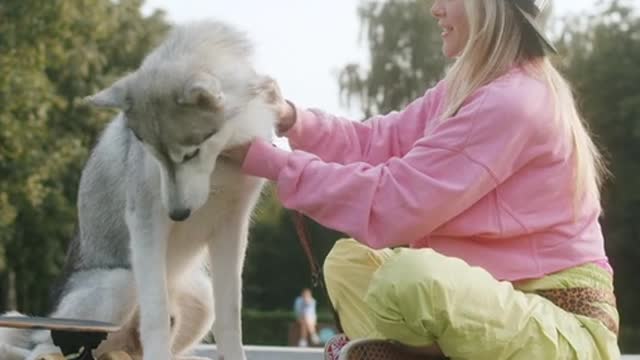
(305, 242)
(317, 278)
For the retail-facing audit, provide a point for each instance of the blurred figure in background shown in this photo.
(304, 308)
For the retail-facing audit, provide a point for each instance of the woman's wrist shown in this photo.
(287, 117)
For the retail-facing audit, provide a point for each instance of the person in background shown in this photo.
(304, 308)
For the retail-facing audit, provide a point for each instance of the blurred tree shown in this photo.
(276, 268)
(405, 56)
(52, 54)
(601, 54)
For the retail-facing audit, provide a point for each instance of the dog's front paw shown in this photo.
(229, 345)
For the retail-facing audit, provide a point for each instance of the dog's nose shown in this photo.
(180, 214)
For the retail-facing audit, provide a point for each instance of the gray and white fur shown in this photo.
(163, 220)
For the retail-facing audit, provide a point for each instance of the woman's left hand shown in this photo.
(236, 154)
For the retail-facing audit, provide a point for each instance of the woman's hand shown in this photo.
(268, 88)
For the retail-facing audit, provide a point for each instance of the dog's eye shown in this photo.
(191, 155)
(209, 135)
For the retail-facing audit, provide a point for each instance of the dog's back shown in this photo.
(103, 240)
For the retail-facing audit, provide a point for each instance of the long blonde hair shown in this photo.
(498, 40)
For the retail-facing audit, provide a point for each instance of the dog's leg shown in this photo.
(126, 339)
(100, 295)
(227, 252)
(193, 315)
(149, 228)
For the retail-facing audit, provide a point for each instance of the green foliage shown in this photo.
(405, 57)
(266, 327)
(276, 268)
(272, 327)
(52, 54)
(601, 55)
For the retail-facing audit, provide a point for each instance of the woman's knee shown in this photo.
(348, 269)
(344, 254)
(409, 267)
(414, 279)
(406, 297)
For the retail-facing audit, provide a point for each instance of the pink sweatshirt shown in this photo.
(492, 185)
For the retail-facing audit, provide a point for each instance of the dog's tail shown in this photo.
(15, 343)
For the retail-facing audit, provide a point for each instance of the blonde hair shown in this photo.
(498, 40)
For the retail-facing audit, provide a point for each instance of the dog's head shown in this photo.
(182, 120)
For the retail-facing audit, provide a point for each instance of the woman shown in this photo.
(304, 308)
(492, 181)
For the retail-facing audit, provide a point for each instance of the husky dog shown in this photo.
(163, 219)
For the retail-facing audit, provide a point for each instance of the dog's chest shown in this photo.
(231, 192)
(200, 227)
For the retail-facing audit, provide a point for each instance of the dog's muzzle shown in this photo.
(180, 214)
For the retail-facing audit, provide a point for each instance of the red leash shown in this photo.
(317, 278)
(305, 241)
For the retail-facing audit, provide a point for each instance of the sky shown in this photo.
(301, 43)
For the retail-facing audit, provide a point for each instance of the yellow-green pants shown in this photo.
(420, 297)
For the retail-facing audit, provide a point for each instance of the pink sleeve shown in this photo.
(374, 141)
(402, 199)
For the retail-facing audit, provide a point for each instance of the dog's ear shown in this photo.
(115, 96)
(203, 90)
